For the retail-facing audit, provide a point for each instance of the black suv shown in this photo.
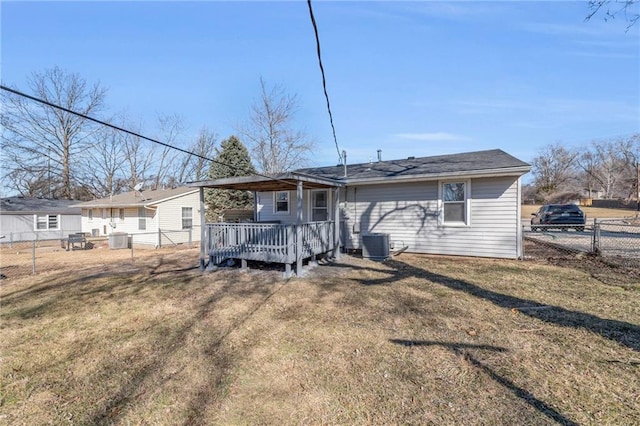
(559, 216)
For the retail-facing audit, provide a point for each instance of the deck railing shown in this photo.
(267, 242)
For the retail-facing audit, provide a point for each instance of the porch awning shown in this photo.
(281, 182)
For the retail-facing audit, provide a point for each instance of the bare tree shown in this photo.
(194, 167)
(164, 158)
(137, 158)
(609, 166)
(555, 173)
(41, 141)
(106, 175)
(274, 144)
(614, 8)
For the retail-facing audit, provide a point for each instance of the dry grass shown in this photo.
(414, 340)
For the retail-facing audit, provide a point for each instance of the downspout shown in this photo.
(336, 224)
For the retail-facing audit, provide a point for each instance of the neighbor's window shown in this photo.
(454, 202)
(142, 218)
(46, 221)
(282, 202)
(121, 214)
(90, 214)
(104, 213)
(187, 217)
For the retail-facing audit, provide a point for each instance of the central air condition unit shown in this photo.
(118, 240)
(375, 246)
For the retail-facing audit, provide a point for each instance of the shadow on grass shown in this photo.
(624, 333)
(78, 285)
(460, 349)
(51, 297)
(220, 360)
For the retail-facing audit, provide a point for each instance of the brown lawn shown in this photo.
(413, 340)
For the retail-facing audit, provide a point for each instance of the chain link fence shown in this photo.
(609, 249)
(22, 255)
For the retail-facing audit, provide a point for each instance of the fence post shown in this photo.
(596, 237)
(131, 245)
(33, 257)
(10, 239)
(159, 238)
(190, 238)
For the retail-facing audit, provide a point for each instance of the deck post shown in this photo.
(203, 232)
(299, 230)
(336, 224)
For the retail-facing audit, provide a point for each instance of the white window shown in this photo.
(281, 202)
(319, 206)
(187, 217)
(121, 215)
(90, 214)
(142, 218)
(455, 204)
(43, 222)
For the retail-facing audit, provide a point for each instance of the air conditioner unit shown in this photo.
(375, 246)
(118, 240)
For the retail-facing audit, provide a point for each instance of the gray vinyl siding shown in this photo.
(266, 211)
(21, 227)
(410, 213)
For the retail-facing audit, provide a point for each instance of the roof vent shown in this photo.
(411, 158)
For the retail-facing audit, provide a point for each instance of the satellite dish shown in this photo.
(138, 187)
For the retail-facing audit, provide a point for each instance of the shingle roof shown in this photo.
(30, 205)
(491, 161)
(135, 198)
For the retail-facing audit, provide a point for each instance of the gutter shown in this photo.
(515, 171)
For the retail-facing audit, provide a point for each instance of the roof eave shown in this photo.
(511, 171)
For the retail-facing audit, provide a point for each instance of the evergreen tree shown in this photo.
(234, 154)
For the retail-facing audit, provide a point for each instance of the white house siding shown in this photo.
(170, 219)
(21, 227)
(129, 225)
(266, 211)
(409, 212)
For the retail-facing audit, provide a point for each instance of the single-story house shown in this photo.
(461, 204)
(30, 218)
(157, 218)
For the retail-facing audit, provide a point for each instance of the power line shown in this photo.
(104, 123)
(324, 81)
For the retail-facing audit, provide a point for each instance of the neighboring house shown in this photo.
(461, 204)
(28, 219)
(157, 218)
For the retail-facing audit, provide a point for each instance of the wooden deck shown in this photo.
(268, 242)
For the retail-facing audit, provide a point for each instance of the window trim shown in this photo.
(182, 217)
(47, 221)
(141, 218)
(311, 207)
(467, 203)
(275, 203)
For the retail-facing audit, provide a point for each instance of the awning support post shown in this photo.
(299, 229)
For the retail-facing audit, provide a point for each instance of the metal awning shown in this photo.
(281, 182)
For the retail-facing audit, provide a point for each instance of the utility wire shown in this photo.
(324, 81)
(104, 123)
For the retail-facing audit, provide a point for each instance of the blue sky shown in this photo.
(410, 78)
